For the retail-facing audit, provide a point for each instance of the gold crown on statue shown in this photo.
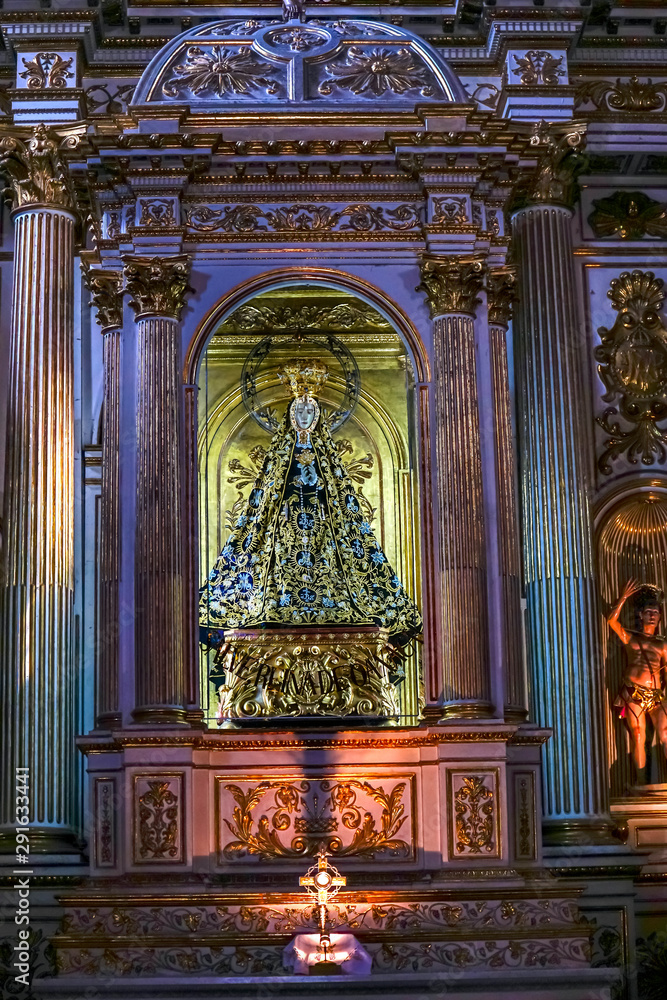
(304, 377)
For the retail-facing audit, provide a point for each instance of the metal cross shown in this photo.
(324, 882)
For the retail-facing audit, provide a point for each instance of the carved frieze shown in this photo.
(630, 95)
(451, 284)
(256, 318)
(290, 818)
(501, 293)
(219, 72)
(157, 285)
(630, 215)
(632, 360)
(36, 169)
(158, 819)
(156, 213)
(47, 70)
(311, 218)
(474, 813)
(106, 291)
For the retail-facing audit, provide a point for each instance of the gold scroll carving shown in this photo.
(158, 826)
(292, 818)
(473, 801)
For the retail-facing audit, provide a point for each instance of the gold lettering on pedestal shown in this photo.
(350, 818)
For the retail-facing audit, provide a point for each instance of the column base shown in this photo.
(109, 720)
(579, 832)
(43, 840)
(467, 710)
(515, 716)
(160, 716)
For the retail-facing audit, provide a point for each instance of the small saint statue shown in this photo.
(303, 555)
(642, 692)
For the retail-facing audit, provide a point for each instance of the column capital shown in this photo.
(555, 181)
(158, 285)
(501, 293)
(106, 295)
(451, 284)
(37, 171)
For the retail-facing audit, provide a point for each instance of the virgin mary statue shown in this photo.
(302, 605)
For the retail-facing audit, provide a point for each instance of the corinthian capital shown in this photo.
(36, 170)
(451, 284)
(501, 292)
(106, 295)
(158, 285)
(555, 182)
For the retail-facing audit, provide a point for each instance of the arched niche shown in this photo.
(378, 442)
(631, 542)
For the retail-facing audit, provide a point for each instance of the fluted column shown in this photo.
(37, 690)
(556, 455)
(157, 286)
(452, 285)
(106, 289)
(500, 292)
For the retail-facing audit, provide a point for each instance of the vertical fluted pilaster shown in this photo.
(37, 579)
(555, 428)
(500, 291)
(452, 286)
(106, 290)
(158, 286)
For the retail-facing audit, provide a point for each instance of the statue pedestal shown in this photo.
(308, 674)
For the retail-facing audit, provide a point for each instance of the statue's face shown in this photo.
(304, 412)
(650, 617)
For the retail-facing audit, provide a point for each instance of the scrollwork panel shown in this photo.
(159, 832)
(105, 822)
(289, 818)
(473, 802)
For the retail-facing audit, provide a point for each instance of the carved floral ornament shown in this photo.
(157, 285)
(361, 218)
(376, 71)
(631, 215)
(218, 71)
(36, 169)
(560, 162)
(47, 70)
(630, 95)
(451, 284)
(538, 68)
(633, 368)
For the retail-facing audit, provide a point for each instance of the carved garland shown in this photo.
(303, 218)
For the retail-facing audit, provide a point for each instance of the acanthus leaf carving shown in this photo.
(47, 70)
(37, 170)
(376, 72)
(157, 285)
(106, 290)
(539, 68)
(474, 806)
(633, 368)
(313, 812)
(560, 164)
(625, 95)
(158, 810)
(451, 284)
(501, 293)
(220, 72)
(361, 218)
(629, 214)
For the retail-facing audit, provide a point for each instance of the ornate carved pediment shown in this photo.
(451, 284)
(273, 63)
(36, 169)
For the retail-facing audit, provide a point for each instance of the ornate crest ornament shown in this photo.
(633, 368)
(630, 215)
(47, 70)
(539, 68)
(624, 95)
